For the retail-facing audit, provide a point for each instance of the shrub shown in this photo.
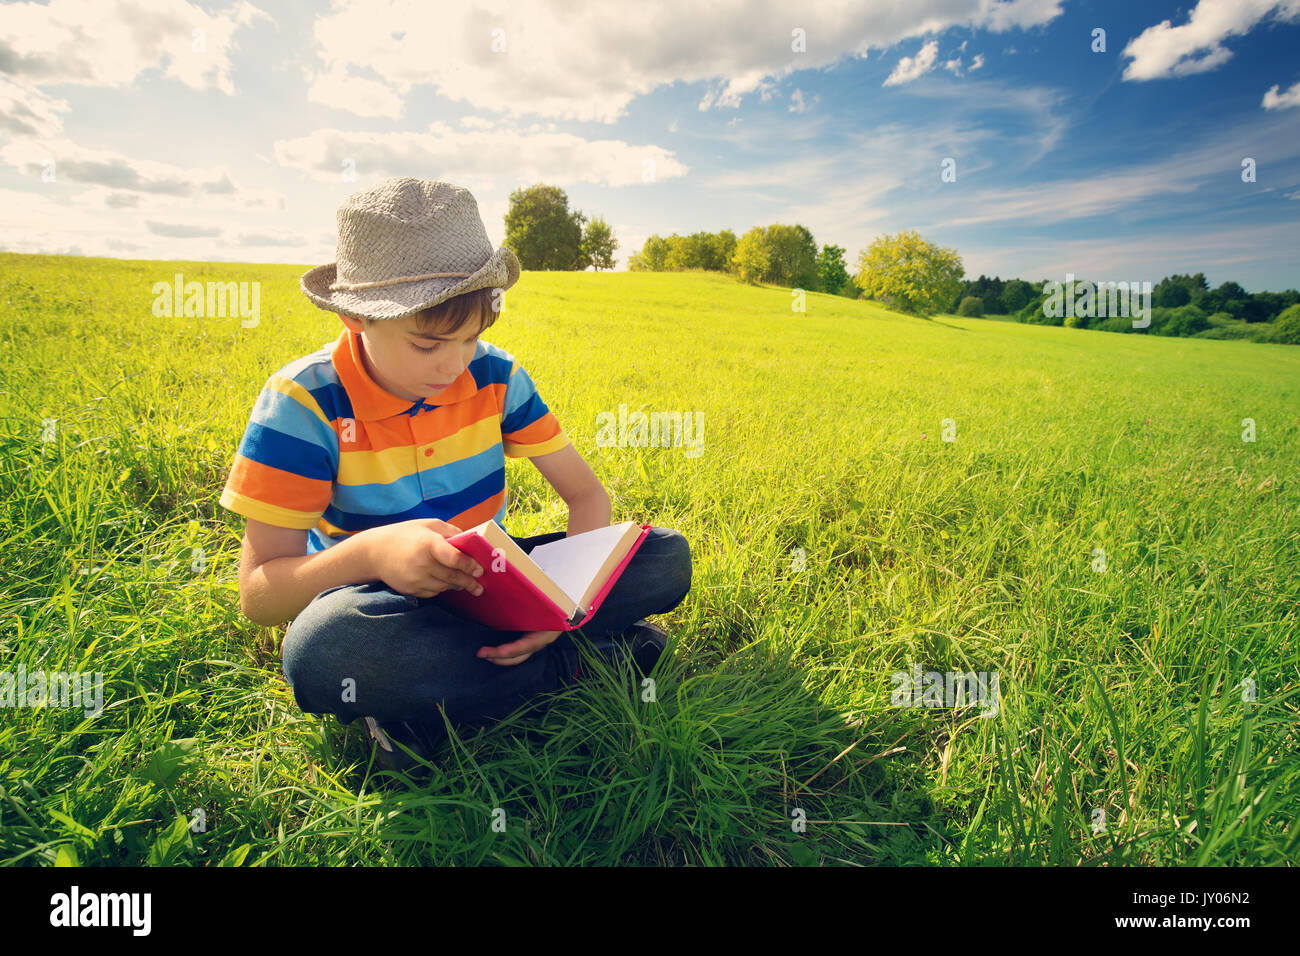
(1238, 331)
(1116, 323)
(1286, 328)
(1186, 320)
(972, 305)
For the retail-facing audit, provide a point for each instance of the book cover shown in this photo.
(558, 586)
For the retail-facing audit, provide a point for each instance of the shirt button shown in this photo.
(428, 452)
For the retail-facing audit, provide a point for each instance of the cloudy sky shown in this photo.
(231, 131)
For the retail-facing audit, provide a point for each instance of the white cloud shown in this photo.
(912, 67)
(1123, 190)
(1273, 100)
(26, 111)
(54, 219)
(953, 66)
(121, 176)
(111, 42)
(356, 94)
(513, 57)
(1196, 46)
(480, 157)
(976, 63)
(798, 104)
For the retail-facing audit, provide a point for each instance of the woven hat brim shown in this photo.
(405, 298)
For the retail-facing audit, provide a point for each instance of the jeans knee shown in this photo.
(676, 551)
(317, 640)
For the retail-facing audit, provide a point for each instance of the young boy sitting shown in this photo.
(360, 459)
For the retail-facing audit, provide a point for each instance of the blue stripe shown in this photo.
(267, 446)
(524, 415)
(397, 496)
(286, 415)
(444, 507)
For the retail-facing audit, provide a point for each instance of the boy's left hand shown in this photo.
(520, 650)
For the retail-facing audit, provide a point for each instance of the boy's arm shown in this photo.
(575, 482)
(277, 579)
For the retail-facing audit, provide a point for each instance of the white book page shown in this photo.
(572, 563)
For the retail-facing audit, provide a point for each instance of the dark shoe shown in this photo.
(643, 643)
(401, 746)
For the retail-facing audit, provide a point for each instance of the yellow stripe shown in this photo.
(267, 513)
(287, 386)
(515, 450)
(391, 464)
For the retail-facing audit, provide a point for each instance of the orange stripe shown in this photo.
(548, 426)
(381, 435)
(479, 513)
(280, 488)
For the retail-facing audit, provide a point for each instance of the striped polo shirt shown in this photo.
(329, 451)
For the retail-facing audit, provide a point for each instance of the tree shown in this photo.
(914, 274)
(752, 259)
(971, 305)
(650, 257)
(722, 247)
(541, 231)
(831, 271)
(598, 245)
(1016, 295)
(1286, 329)
(792, 257)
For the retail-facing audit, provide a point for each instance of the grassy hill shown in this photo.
(1097, 536)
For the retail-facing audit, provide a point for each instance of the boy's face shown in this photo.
(411, 362)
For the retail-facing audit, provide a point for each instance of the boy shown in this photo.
(360, 459)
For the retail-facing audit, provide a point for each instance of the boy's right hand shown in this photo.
(413, 557)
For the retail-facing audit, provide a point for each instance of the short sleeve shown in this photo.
(284, 470)
(528, 428)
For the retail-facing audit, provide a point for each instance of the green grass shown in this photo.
(1120, 691)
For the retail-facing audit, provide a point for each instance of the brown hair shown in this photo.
(450, 316)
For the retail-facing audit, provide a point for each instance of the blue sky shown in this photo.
(239, 141)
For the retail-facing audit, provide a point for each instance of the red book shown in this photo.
(557, 586)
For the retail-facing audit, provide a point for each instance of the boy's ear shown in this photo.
(356, 325)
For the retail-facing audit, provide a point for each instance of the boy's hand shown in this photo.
(519, 650)
(413, 557)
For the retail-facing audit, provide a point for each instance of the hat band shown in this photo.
(351, 286)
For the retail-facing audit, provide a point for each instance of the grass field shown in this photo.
(1146, 713)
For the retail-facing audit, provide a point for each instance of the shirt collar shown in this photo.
(370, 400)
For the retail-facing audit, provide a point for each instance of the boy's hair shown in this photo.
(450, 316)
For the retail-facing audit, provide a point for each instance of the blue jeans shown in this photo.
(366, 650)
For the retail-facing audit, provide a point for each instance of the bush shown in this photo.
(1033, 314)
(972, 305)
(1116, 323)
(1238, 331)
(1186, 320)
(1286, 328)
(1221, 320)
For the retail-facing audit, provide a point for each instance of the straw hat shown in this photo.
(404, 245)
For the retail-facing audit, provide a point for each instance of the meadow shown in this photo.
(1090, 519)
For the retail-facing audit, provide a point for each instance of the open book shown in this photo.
(555, 587)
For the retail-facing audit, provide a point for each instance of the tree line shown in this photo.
(1181, 305)
(902, 271)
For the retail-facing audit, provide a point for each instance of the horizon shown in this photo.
(999, 130)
